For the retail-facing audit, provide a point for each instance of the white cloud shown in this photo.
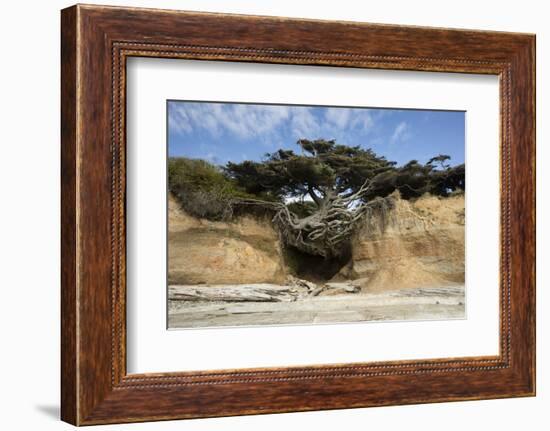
(179, 120)
(269, 123)
(364, 121)
(303, 124)
(245, 121)
(401, 133)
(338, 116)
(248, 121)
(340, 119)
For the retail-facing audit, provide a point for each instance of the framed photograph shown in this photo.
(264, 214)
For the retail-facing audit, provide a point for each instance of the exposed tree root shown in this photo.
(329, 228)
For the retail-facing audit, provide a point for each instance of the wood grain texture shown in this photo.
(96, 41)
(69, 397)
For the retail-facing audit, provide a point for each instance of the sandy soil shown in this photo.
(435, 303)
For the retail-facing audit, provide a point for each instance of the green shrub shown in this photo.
(202, 189)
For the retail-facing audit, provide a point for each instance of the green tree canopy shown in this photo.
(323, 169)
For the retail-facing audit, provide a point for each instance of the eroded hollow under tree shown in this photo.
(313, 267)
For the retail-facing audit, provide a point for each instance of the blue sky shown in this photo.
(222, 132)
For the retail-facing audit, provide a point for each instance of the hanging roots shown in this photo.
(329, 229)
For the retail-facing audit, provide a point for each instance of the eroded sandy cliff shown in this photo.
(409, 244)
(202, 251)
(412, 244)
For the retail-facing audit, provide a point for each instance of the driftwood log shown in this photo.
(237, 293)
(260, 292)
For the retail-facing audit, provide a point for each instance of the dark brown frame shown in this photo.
(96, 41)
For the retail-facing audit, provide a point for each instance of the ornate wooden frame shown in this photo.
(96, 41)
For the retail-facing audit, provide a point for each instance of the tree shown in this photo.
(318, 196)
(414, 179)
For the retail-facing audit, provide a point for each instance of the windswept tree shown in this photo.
(414, 179)
(318, 195)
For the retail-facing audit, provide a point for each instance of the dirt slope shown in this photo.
(414, 244)
(201, 251)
